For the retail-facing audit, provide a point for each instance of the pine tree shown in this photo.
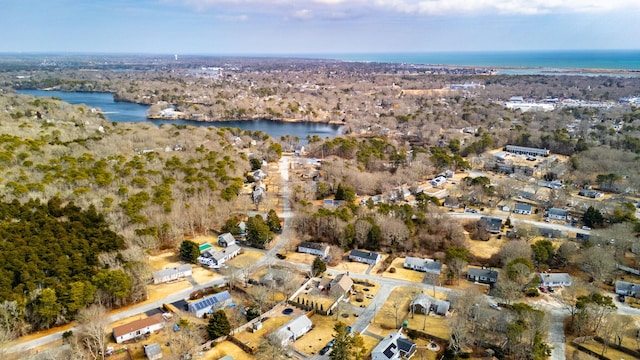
(218, 325)
(189, 251)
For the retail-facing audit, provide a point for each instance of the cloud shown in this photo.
(304, 14)
(427, 7)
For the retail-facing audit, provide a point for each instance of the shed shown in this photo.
(153, 351)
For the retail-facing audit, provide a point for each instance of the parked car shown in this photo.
(325, 350)
(495, 306)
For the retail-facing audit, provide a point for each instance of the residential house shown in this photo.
(425, 265)
(314, 249)
(557, 214)
(138, 328)
(175, 273)
(394, 346)
(215, 259)
(492, 225)
(226, 239)
(522, 209)
(367, 257)
(451, 202)
(555, 279)
(340, 286)
(153, 351)
(424, 304)
(627, 288)
(522, 150)
(274, 278)
(293, 330)
(483, 275)
(590, 193)
(210, 303)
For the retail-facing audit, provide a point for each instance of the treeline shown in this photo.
(49, 263)
(401, 228)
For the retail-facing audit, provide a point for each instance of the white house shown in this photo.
(293, 330)
(555, 279)
(367, 257)
(522, 209)
(425, 265)
(138, 328)
(314, 249)
(557, 214)
(394, 346)
(215, 259)
(210, 303)
(171, 274)
(226, 239)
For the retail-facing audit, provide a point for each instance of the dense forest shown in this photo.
(50, 256)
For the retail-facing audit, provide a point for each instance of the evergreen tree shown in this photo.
(258, 233)
(592, 217)
(189, 251)
(218, 325)
(348, 345)
(274, 221)
(318, 266)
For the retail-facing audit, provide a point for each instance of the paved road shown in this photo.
(504, 216)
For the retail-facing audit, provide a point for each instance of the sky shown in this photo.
(273, 27)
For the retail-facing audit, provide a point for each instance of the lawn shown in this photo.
(321, 333)
(402, 273)
(435, 325)
(351, 266)
(368, 293)
(226, 348)
(273, 322)
(246, 258)
(396, 308)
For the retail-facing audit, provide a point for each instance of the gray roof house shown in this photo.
(175, 273)
(485, 276)
(557, 214)
(424, 304)
(555, 279)
(215, 259)
(313, 249)
(394, 346)
(522, 208)
(293, 330)
(426, 265)
(367, 257)
(226, 239)
(210, 303)
(492, 224)
(627, 288)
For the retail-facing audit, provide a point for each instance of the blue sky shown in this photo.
(316, 26)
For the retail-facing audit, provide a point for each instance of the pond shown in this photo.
(130, 112)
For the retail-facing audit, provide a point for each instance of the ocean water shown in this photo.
(593, 59)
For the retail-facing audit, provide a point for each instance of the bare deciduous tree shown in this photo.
(92, 333)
